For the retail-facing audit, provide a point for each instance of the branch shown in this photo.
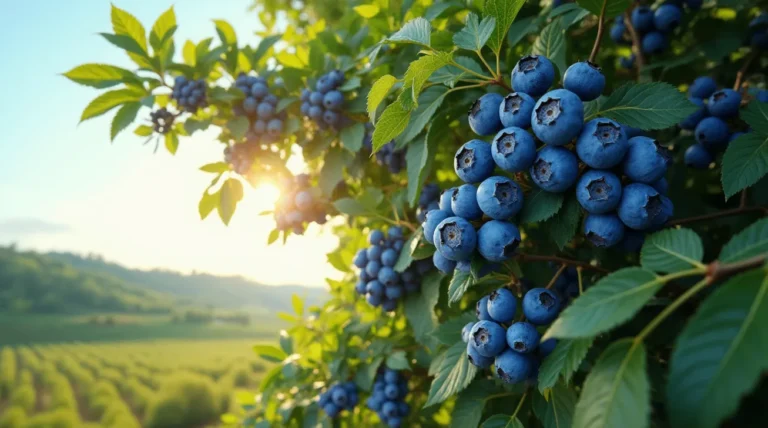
(500, 82)
(556, 276)
(639, 58)
(538, 258)
(717, 270)
(743, 70)
(719, 214)
(599, 37)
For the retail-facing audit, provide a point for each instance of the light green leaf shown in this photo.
(756, 116)
(100, 76)
(164, 27)
(124, 117)
(418, 162)
(420, 308)
(564, 360)
(231, 193)
(563, 226)
(172, 142)
(207, 203)
(414, 31)
(398, 361)
(238, 126)
(455, 374)
(419, 71)
(332, 171)
(126, 24)
(613, 8)
(450, 74)
(613, 300)
(404, 259)
(298, 304)
(226, 32)
(270, 353)
(720, 355)
(429, 101)
(460, 283)
(469, 406)
(352, 137)
(378, 93)
(349, 206)
(143, 130)
(502, 421)
(551, 44)
(264, 45)
(505, 12)
(393, 121)
(540, 205)
(616, 392)
(646, 106)
(672, 250)
(750, 242)
(367, 10)
(555, 411)
(274, 235)
(745, 162)
(475, 33)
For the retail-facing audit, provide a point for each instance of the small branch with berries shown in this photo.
(639, 58)
(600, 29)
(568, 262)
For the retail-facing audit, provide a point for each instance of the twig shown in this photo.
(717, 270)
(724, 213)
(500, 82)
(520, 404)
(599, 37)
(557, 275)
(538, 258)
(639, 58)
(743, 70)
(581, 286)
(743, 200)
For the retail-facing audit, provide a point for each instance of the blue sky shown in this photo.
(63, 186)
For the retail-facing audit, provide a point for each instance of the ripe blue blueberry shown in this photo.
(271, 99)
(466, 330)
(724, 103)
(333, 100)
(514, 367)
(324, 84)
(642, 19)
(445, 200)
(455, 238)
(694, 118)
(391, 391)
(331, 410)
(360, 287)
(522, 337)
(762, 95)
(250, 105)
(645, 161)
(476, 359)
(473, 162)
(602, 143)
(661, 185)
(513, 149)
(275, 127)
(654, 43)
(259, 90)
(481, 309)
(374, 253)
(316, 112)
(376, 237)
(598, 191)
(391, 376)
(387, 276)
(546, 347)
(712, 133)
(484, 114)
(667, 17)
(540, 306)
(633, 241)
(372, 268)
(259, 126)
(488, 337)
(617, 32)
(395, 232)
(702, 87)
(303, 200)
(603, 230)
(433, 218)
(442, 264)
(374, 288)
(389, 305)
(394, 292)
(584, 79)
(331, 117)
(499, 197)
(555, 169)
(265, 110)
(498, 240)
(533, 74)
(666, 212)
(558, 117)
(464, 202)
(361, 259)
(339, 397)
(627, 62)
(516, 110)
(316, 99)
(502, 305)
(640, 205)
(697, 156)
(389, 257)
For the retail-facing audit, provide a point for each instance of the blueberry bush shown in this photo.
(540, 224)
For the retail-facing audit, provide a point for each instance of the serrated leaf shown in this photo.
(420, 308)
(231, 193)
(745, 162)
(672, 250)
(646, 106)
(419, 71)
(124, 117)
(505, 12)
(613, 8)
(367, 10)
(616, 392)
(378, 93)
(393, 121)
(450, 74)
(460, 283)
(429, 101)
(398, 361)
(172, 142)
(540, 206)
(611, 301)
(470, 403)
(454, 374)
(720, 355)
(450, 331)
(750, 242)
(109, 100)
(126, 24)
(332, 171)
(416, 31)
(352, 137)
(564, 360)
(502, 421)
(563, 226)
(127, 43)
(756, 116)
(551, 44)
(163, 28)
(475, 33)
(270, 353)
(555, 411)
(522, 28)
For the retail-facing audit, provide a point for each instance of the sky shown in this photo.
(64, 187)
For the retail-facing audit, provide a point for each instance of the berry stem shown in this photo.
(639, 58)
(520, 404)
(485, 63)
(719, 214)
(472, 72)
(556, 275)
(581, 284)
(669, 309)
(600, 29)
(539, 258)
(743, 70)
(500, 82)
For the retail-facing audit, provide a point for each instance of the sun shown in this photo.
(264, 196)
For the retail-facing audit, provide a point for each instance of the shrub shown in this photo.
(24, 396)
(13, 417)
(7, 371)
(184, 400)
(61, 418)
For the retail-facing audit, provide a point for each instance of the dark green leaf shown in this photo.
(469, 406)
(454, 374)
(756, 116)
(449, 332)
(502, 421)
(404, 259)
(429, 101)
(392, 122)
(352, 137)
(505, 12)
(475, 33)
(450, 74)
(238, 126)
(551, 44)
(349, 206)
(398, 361)
(750, 242)
(332, 171)
(540, 205)
(127, 43)
(563, 226)
(124, 117)
(420, 308)
(672, 250)
(414, 31)
(522, 28)
(646, 106)
(378, 93)
(366, 374)
(744, 163)
(613, 7)
(460, 283)
(555, 411)
(564, 360)
(270, 353)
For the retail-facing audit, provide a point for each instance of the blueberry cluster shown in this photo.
(388, 398)
(515, 348)
(388, 155)
(190, 95)
(162, 120)
(325, 103)
(429, 200)
(379, 281)
(339, 397)
(299, 204)
(758, 32)
(259, 106)
(240, 156)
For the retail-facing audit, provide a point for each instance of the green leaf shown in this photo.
(398, 361)
(231, 193)
(332, 171)
(352, 137)
(273, 236)
(420, 70)
(127, 43)
(100, 76)
(756, 116)
(450, 74)
(540, 205)
(416, 31)
(429, 101)
(193, 125)
(238, 126)
(164, 27)
(502, 421)
(720, 355)
(378, 93)
(555, 411)
(563, 226)
(449, 332)
(366, 374)
(469, 406)
(351, 84)
(109, 100)
(404, 259)
(264, 45)
(564, 360)
(349, 206)
(270, 353)
(744, 163)
(475, 33)
(646, 106)
(460, 283)
(172, 142)
(613, 300)
(613, 8)
(455, 374)
(505, 12)
(420, 308)
(551, 44)
(750, 242)
(124, 117)
(225, 31)
(284, 103)
(522, 28)
(367, 10)
(126, 24)
(143, 131)
(298, 304)
(207, 203)
(392, 122)
(672, 250)
(616, 392)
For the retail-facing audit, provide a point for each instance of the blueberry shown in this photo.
(360, 287)
(724, 103)
(455, 238)
(331, 410)
(433, 218)
(275, 127)
(445, 200)
(513, 149)
(666, 212)
(484, 114)
(323, 399)
(502, 305)
(555, 169)
(640, 205)
(250, 105)
(584, 79)
(265, 110)
(702, 87)
(373, 267)
(516, 110)
(540, 306)
(697, 156)
(642, 19)
(403, 408)
(339, 397)
(694, 118)
(316, 112)
(394, 422)
(522, 337)
(473, 162)
(762, 96)
(602, 143)
(361, 259)
(466, 330)
(259, 90)
(391, 376)
(374, 299)
(316, 99)
(303, 200)
(653, 43)
(391, 391)
(514, 367)
(389, 409)
(667, 17)
(627, 62)
(374, 288)
(481, 309)
(324, 84)
(712, 133)
(598, 191)
(333, 100)
(387, 276)
(389, 257)
(464, 202)
(498, 240)
(546, 347)
(603, 230)
(442, 264)
(533, 74)
(633, 241)
(331, 118)
(476, 359)
(259, 126)
(558, 117)
(645, 161)
(499, 197)
(376, 237)
(395, 232)
(488, 337)
(617, 33)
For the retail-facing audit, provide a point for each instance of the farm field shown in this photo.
(154, 384)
